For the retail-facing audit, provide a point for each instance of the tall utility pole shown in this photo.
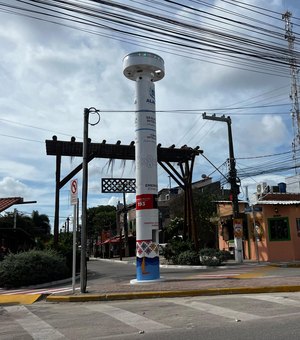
(289, 36)
(85, 154)
(83, 267)
(233, 180)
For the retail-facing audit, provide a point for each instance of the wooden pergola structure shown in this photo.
(184, 157)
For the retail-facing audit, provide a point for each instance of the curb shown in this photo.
(169, 294)
(28, 299)
(285, 265)
(19, 299)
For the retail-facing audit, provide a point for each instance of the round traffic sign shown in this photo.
(74, 186)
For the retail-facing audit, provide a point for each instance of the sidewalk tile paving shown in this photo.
(233, 278)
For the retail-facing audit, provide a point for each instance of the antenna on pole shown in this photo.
(289, 36)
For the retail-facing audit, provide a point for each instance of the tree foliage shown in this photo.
(175, 227)
(204, 212)
(41, 224)
(102, 217)
(21, 232)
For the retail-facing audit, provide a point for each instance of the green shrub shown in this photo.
(213, 257)
(65, 249)
(188, 257)
(32, 267)
(176, 247)
(167, 252)
(226, 255)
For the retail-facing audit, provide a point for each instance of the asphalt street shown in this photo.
(254, 316)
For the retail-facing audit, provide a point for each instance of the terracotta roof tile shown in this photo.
(280, 197)
(5, 203)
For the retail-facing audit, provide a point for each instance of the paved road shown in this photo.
(255, 316)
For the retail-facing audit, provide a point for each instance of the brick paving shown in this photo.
(232, 275)
(233, 278)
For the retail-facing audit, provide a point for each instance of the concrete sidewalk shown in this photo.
(232, 278)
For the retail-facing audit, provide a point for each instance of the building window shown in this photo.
(279, 229)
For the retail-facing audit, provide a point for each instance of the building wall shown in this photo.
(288, 249)
(258, 245)
(264, 247)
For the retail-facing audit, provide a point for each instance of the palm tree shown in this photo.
(41, 224)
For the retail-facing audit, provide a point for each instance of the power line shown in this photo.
(26, 139)
(228, 48)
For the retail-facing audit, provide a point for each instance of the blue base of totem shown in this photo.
(147, 268)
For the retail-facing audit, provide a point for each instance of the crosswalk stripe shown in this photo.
(33, 325)
(275, 299)
(216, 310)
(6, 292)
(129, 318)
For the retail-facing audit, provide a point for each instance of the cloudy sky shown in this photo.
(51, 72)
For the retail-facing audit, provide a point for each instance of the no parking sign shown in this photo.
(74, 191)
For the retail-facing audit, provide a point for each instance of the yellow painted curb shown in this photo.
(259, 272)
(19, 299)
(166, 294)
(285, 265)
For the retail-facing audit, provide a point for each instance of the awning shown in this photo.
(115, 240)
(109, 240)
(278, 202)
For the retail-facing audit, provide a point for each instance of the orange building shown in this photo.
(271, 228)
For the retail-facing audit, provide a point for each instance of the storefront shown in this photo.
(271, 227)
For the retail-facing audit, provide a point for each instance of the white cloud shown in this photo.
(10, 187)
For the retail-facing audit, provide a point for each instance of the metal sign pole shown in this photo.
(74, 248)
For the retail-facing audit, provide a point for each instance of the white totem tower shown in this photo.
(145, 68)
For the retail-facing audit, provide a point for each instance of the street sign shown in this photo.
(115, 185)
(74, 191)
(238, 227)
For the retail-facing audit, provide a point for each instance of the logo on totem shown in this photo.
(151, 98)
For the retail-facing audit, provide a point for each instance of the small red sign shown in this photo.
(74, 191)
(74, 186)
(146, 201)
